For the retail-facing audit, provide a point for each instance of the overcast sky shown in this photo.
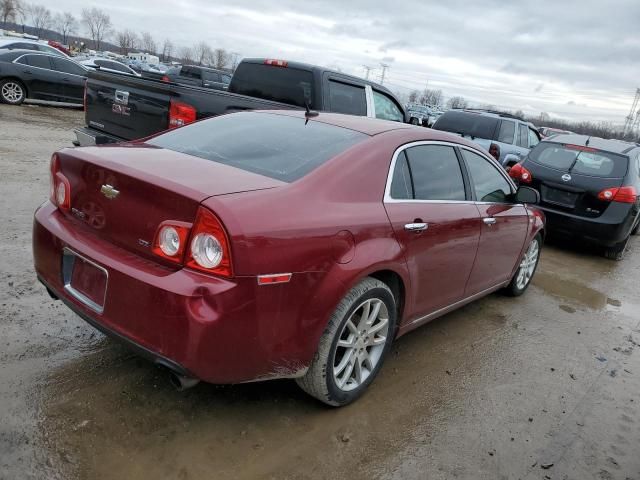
(572, 59)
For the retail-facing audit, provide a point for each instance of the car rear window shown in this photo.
(468, 124)
(277, 146)
(579, 160)
(280, 84)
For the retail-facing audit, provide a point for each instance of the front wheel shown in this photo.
(12, 92)
(522, 278)
(354, 344)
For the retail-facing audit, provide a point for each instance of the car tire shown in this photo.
(635, 229)
(12, 91)
(527, 268)
(333, 376)
(617, 251)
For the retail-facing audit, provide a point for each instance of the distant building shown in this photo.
(144, 57)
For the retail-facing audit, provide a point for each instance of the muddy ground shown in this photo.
(543, 386)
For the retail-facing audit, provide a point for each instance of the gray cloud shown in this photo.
(539, 54)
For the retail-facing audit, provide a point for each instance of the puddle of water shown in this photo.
(573, 292)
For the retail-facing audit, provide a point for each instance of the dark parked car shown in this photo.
(589, 188)
(260, 245)
(506, 137)
(27, 74)
(199, 77)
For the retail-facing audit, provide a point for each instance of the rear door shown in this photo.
(504, 224)
(73, 78)
(435, 222)
(42, 81)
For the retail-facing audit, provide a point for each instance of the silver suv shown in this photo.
(506, 137)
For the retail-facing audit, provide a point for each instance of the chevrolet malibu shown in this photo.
(261, 245)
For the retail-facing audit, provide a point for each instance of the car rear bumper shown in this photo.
(88, 137)
(214, 329)
(610, 228)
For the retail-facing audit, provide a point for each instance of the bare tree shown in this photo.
(10, 10)
(413, 96)
(167, 50)
(186, 55)
(40, 18)
(202, 53)
(221, 58)
(98, 25)
(66, 24)
(127, 40)
(457, 102)
(147, 43)
(431, 97)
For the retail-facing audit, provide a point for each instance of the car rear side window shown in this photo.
(488, 183)
(435, 172)
(401, 184)
(523, 136)
(277, 146)
(345, 98)
(468, 124)
(39, 61)
(507, 130)
(280, 84)
(580, 160)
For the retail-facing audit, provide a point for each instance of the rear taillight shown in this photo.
(276, 63)
(622, 194)
(165, 79)
(171, 240)
(494, 150)
(180, 114)
(209, 246)
(60, 190)
(518, 172)
(580, 148)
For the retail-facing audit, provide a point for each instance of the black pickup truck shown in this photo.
(120, 108)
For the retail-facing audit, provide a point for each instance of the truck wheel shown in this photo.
(617, 251)
(12, 91)
(354, 344)
(413, 121)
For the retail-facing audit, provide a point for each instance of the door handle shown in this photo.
(489, 221)
(416, 227)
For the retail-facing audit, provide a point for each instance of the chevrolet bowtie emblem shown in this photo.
(109, 192)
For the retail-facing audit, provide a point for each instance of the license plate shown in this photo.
(559, 197)
(84, 280)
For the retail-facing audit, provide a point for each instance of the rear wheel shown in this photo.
(12, 91)
(637, 227)
(522, 278)
(354, 344)
(617, 251)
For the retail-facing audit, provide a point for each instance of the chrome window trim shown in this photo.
(387, 191)
(48, 55)
(66, 278)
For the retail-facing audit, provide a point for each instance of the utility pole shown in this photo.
(631, 120)
(384, 70)
(367, 69)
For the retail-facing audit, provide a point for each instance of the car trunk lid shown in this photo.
(123, 193)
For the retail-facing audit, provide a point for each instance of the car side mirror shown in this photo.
(527, 195)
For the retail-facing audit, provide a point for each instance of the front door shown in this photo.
(436, 224)
(504, 224)
(73, 79)
(42, 81)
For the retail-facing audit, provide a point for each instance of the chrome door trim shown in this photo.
(66, 280)
(453, 306)
(416, 227)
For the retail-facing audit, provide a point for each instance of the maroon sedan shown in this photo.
(262, 245)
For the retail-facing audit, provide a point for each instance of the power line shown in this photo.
(367, 69)
(632, 121)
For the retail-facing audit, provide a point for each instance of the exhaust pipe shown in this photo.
(182, 383)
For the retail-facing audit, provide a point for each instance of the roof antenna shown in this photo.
(309, 112)
(586, 144)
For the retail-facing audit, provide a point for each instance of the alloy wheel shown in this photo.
(528, 265)
(12, 92)
(360, 344)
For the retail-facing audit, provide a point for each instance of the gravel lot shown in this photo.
(543, 386)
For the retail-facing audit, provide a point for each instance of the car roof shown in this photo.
(606, 145)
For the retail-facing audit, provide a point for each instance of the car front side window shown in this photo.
(385, 108)
(487, 182)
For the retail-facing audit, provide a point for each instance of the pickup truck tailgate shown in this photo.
(130, 108)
